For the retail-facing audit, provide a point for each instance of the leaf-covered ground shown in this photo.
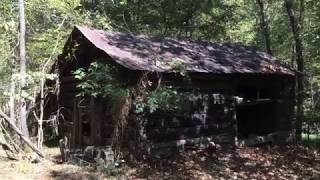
(289, 162)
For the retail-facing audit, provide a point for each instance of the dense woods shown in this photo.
(281, 28)
(33, 34)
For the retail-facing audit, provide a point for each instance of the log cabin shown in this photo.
(241, 91)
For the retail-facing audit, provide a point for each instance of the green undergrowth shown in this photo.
(312, 140)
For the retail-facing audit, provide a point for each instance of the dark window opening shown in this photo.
(247, 92)
(257, 119)
(266, 93)
(253, 93)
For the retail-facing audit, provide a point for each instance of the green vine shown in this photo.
(179, 66)
(162, 98)
(101, 80)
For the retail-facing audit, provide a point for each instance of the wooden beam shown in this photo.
(257, 102)
(74, 134)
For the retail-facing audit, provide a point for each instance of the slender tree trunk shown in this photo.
(293, 56)
(300, 63)
(301, 15)
(264, 26)
(12, 89)
(22, 48)
(40, 121)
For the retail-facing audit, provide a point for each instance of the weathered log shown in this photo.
(164, 134)
(25, 139)
(165, 120)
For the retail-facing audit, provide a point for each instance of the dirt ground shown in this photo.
(290, 162)
(49, 168)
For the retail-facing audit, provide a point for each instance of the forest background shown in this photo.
(288, 29)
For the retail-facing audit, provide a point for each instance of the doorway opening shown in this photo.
(255, 119)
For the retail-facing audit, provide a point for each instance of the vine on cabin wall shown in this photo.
(101, 81)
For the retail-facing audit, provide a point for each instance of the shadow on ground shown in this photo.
(289, 162)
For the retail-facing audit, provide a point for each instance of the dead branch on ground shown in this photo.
(21, 135)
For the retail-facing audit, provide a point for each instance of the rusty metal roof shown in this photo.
(140, 52)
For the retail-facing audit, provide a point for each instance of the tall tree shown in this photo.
(23, 62)
(12, 87)
(264, 26)
(300, 65)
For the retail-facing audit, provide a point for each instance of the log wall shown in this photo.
(202, 116)
(209, 115)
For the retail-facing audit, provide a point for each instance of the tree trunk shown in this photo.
(264, 26)
(22, 48)
(301, 15)
(300, 63)
(12, 89)
(40, 120)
